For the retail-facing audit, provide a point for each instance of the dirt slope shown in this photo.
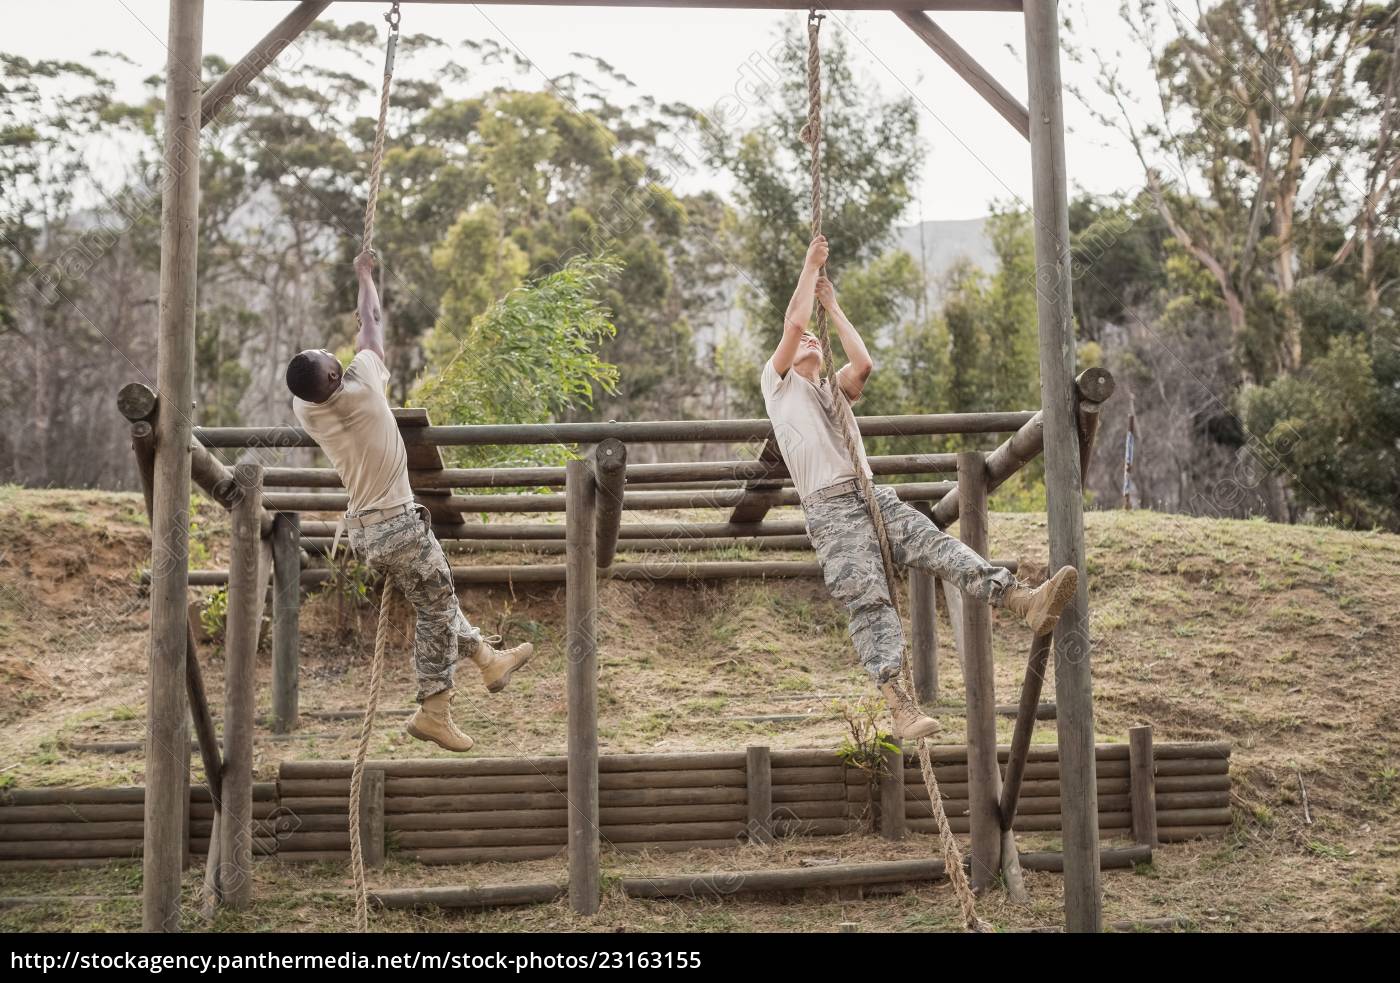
(1279, 640)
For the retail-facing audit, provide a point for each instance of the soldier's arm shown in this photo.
(799, 309)
(858, 365)
(371, 313)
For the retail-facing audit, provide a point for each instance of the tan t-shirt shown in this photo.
(807, 435)
(357, 430)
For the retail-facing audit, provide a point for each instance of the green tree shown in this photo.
(1333, 429)
(870, 158)
(994, 360)
(530, 358)
(1251, 95)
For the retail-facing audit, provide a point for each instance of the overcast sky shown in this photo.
(687, 55)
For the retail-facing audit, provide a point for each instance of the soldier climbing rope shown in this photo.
(845, 419)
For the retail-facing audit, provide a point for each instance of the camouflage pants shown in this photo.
(849, 553)
(405, 549)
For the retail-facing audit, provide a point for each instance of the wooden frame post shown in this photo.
(286, 620)
(139, 404)
(581, 687)
(1142, 785)
(758, 777)
(608, 463)
(372, 817)
(1092, 387)
(167, 730)
(1026, 714)
(1063, 488)
(241, 625)
(923, 627)
(983, 776)
(892, 793)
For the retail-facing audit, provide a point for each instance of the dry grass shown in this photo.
(1277, 639)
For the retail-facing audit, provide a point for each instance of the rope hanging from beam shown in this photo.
(850, 436)
(381, 635)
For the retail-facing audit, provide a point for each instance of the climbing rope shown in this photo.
(357, 771)
(850, 436)
(376, 161)
(381, 635)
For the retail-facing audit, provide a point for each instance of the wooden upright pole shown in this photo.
(1026, 713)
(892, 792)
(581, 688)
(983, 776)
(1063, 490)
(1142, 785)
(244, 610)
(758, 776)
(167, 729)
(609, 467)
(923, 627)
(286, 619)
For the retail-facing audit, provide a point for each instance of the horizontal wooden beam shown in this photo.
(534, 477)
(640, 432)
(984, 6)
(664, 567)
(649, 501)
(982, 81)
(237, 79)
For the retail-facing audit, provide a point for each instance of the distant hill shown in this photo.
(939, 246)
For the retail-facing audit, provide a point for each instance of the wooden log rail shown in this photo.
(719, 498)
(662, 568)
(447, 810)
(987, 6)
(725, 884)
(1092, 387)
(541, 477)
(608, 466)
(641, 432)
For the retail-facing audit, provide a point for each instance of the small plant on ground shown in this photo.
(213, 616)
(864, 745)
(349, 586)
(1383, 784)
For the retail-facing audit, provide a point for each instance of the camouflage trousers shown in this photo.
(849, 553)
(405, 549)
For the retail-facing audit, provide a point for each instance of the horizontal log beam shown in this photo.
(1092, 386)
(922, 491)
(321, 546)
(976, 6)
(641, 432)
(722, 884)
(499, 531)
(534, 477)
(982, 81)
(469, 898)
(237, 79)
(658, 569)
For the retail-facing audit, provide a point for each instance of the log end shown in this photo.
(137, 401)
(1095, 385)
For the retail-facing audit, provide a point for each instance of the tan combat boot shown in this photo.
(496, 666)
(910, 723)
(433, 722)
(1041, 607)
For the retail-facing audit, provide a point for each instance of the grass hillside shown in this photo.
(1280, 640)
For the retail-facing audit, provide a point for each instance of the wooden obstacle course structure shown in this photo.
(266, 541)
(468, 810)
(173, 459)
